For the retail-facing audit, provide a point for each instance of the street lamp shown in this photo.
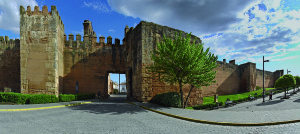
(119, 84)
(287, 73)
(264, 77)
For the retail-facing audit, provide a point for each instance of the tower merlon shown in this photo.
(109, 40)
(71, 37)
(232, 62)
(126, 30)
(78, 37)
(117, 41)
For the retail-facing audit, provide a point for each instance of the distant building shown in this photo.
(123, 87)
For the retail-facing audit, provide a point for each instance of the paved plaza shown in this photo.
(114, 116)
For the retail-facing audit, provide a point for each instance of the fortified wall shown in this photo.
(9, 64)
(231, 78)
(89, 62)
(43, 61)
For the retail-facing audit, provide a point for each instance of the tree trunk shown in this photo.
(294, 88)
(181, 93)
(285, 93)
(187, 98)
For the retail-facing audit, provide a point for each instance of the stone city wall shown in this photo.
(270, 78)
(90, 64)
(9, 64)
(230, 78)
(145, 38)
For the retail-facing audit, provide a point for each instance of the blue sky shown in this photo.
(244, 30)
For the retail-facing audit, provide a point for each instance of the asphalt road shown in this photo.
(114, 116)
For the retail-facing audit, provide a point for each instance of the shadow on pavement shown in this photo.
(272, 102)
(113, 106)
(298, 100)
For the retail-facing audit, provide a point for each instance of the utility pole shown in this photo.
(264, 77)
(119, 83)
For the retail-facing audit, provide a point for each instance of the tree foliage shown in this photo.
(297, 78)
(181, 62)
(285, 82)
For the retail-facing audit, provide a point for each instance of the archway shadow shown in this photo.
(114, 105)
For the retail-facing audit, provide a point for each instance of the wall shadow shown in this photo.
(112, 106)
(91, 70)
(10, 67)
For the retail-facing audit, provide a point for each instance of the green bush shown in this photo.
(116, 91)
(168, 99)
(207, 105)
(258, 87)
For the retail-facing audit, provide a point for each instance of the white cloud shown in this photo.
(97, 6)
(9, 15)
(230, 17)
(286, 58)
(111, 30)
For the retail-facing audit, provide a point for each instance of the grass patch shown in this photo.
(223, 98)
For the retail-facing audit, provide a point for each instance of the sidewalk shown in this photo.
(25, 107)
(275, 110)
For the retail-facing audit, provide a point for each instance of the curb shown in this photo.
(28, 109)
(218, 123)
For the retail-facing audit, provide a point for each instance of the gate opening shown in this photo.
(117, 84)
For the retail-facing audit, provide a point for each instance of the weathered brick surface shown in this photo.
(45, 62)
(41, 35)
(9, 64)
(92, 70)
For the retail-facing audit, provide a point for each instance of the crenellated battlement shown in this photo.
(6, 42)
(89, 41)
(44, 12)
(86, 38)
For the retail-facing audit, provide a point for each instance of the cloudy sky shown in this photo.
(244, 30)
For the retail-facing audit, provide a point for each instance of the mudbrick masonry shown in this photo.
(43, 61)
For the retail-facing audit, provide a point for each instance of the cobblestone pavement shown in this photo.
(115, 116)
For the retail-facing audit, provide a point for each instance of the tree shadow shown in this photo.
(270, 102)
(298, 101)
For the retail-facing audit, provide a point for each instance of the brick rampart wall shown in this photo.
(9, 64)
(91, 68)
(270, 78)
(145, 35)
(230, 78)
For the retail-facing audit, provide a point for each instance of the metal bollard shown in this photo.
(98, 94)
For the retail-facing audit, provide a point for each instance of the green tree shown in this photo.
(297, 78)
(285, 82)
(181, 62)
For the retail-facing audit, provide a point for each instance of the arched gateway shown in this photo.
(50, 64)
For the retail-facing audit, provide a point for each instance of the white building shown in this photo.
(122, 87)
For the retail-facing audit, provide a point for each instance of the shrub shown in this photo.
(116, 91)
(258, 87)
(207, 105)
(171, 99)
